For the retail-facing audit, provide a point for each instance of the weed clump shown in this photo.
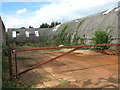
(102, 37)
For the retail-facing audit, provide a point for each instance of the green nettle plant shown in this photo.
(101, 37)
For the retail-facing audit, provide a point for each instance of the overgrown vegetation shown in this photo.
(78, 40)
(102, 37)
(65, 38)
(70, 39)
(7, 82)
(61, 38)
(4, 58)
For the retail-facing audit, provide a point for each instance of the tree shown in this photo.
(30, 26)
(101, 37)
(57, 23)
(54, 24)
(22, 28)
(44, 25)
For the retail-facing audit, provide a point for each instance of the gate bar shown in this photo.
(44, 48)
(46, 61)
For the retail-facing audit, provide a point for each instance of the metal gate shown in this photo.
(44, 48)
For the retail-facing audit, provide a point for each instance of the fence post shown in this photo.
(16, 63)
(10, 62)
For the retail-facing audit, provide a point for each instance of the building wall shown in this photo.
(21, 38)
(95, 22)
(2, 32)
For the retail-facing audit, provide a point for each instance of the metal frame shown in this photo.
(45, 48)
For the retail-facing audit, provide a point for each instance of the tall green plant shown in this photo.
(101, 37)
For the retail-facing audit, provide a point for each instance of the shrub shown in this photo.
(4, 50)
(4, 55)
(101, 37)
(20, 44)
(29, 44)
(10, 42)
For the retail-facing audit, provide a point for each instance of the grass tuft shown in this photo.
(63, 82)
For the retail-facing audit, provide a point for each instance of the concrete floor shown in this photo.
(80, 70)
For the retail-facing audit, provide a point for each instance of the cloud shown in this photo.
(53, 0)
(59, 10)
(21, 11)
(29, 0)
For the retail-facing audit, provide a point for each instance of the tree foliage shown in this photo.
(54, 24)
(46, 25)
(101, 37)
(30, 26)
(22, 28)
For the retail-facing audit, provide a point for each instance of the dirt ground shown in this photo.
(81, 69)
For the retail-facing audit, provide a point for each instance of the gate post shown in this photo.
(10, 62)
(16, 63)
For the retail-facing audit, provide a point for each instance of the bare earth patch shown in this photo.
(81, 69)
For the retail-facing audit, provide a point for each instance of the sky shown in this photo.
(23, 13)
